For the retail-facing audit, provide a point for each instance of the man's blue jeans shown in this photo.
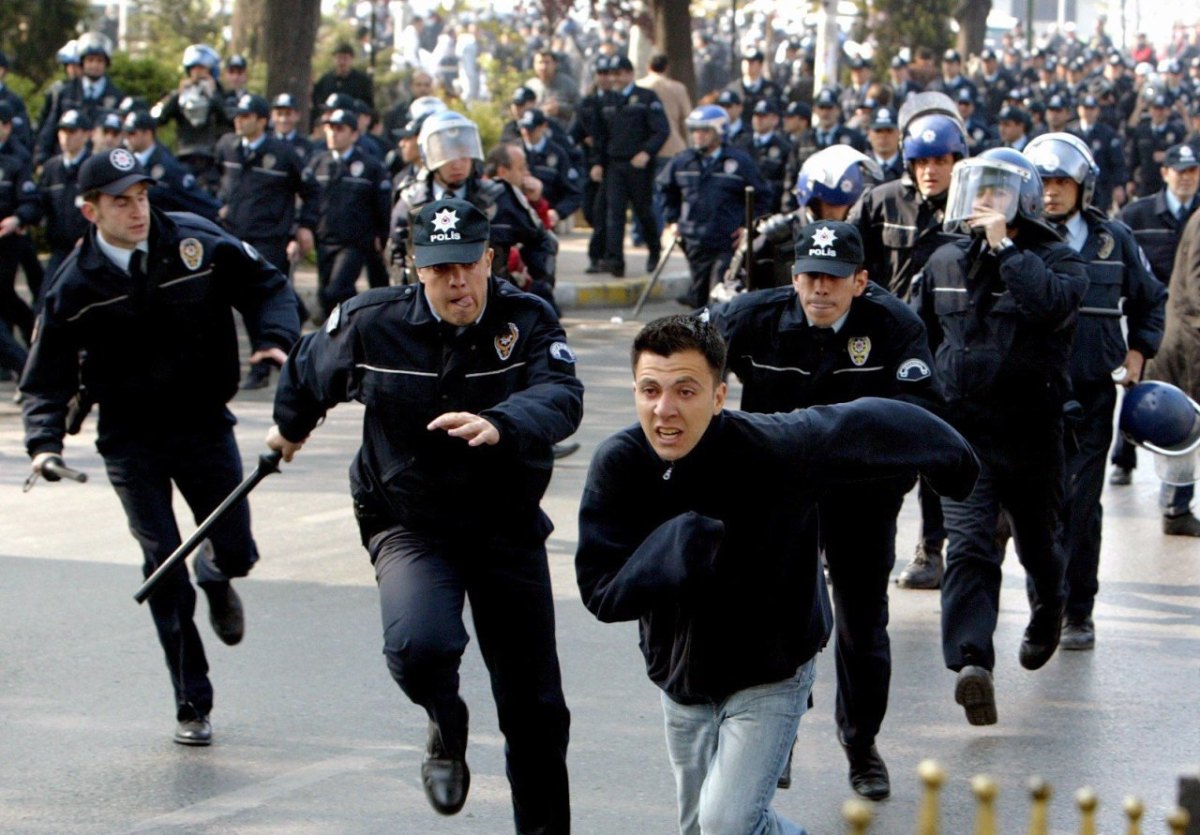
(728, 756)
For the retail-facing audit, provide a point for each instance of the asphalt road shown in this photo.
(313, 736)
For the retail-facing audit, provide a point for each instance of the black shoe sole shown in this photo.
(977, 695)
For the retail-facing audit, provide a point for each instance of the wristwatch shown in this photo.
(1005, 243)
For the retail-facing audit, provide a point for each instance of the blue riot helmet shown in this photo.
(835, 176)
(1065, 155)
(68, 53)
(1162, 419)
(1000, 179)
(710, 117)
(202, 55)
(934, 135)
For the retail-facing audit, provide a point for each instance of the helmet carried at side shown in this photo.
(1162, 418)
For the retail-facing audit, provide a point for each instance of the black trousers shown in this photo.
(13, 308)
(1024, 475)
(624, 186)
(708, 267)
(1124, 454)
(206, 467)
(274, 250)
(423, 582)
(933, 525)
(1082, 511)
(12, 354)
(595, 208)
(338, 268)
(858, 533)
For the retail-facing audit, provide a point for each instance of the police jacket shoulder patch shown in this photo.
(912, 371)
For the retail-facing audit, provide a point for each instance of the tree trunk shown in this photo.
(287, 38)
(673, 35)
(249, 28)
(972, 25)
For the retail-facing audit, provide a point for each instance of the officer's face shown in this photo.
(1056, 118)
(884, 141)
(342, 62)
(751, 69)
(457, 292)
(249, 126)
(1088, 114)
(454, 173)
(1158, 115)
(826, 298)
(421, 85)
(1011, 130)
(704, 139)
(123, 220)
(1000, 199)
(139, 140)
(1060, 196)
(94, 66)
(235, 78)
(198, 72)
(284, 118)
(339, 137)
(676, 398)
(1182, 183)
(544, 67)
(826, 115)
(72, 141)
(410, 149)
(764, 122)
(533, 136)
(932, 174)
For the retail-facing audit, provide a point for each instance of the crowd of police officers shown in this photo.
(1005, 216)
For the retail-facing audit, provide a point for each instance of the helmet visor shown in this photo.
(978, 185)
(1177, 470)
(453, 142)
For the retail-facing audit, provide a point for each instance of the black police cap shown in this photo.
(252, 104)
(139, 120)
(73, 120)
(524, 95)
(284, 101)
(829, 247)
(449, 231)
(112, 172)
(532, 118)
(7, 114)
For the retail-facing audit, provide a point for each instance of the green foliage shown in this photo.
(149, 78)
(32, 31)
(166, 27)
(899, 23)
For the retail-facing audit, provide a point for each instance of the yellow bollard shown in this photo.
(1086, 800)
(1178, 821)
(984, 788)
(857, 815)
(932, 776)
(1039, 793)
(1133, 813)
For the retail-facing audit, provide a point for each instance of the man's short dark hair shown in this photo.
(659, 62)
(547, 53)
(500, 157)
(681, 332)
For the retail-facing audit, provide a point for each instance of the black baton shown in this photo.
(267, 463)
(641, 302)
(746, 262)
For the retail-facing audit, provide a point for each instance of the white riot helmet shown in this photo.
(448, 136)
(1065, 155)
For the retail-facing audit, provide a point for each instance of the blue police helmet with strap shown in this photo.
(202, 55)
(708, 117)
(1065, 155)
(1161, 418)
(835, 176)
(934, 135)
(996, 171)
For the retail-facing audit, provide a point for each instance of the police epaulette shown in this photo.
(377, 296)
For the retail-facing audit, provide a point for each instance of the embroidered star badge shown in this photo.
(824, 237)
(445, 220)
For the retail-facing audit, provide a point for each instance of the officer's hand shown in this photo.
(597, 173)
(640, 160)
(993, 223)
(9, 225)
(41, 460)
(554, 218)
(304, 237)
(277, 442)
(473, 428)
(1118, 196)
(1134, 365)
(739, 237)
(275, 355)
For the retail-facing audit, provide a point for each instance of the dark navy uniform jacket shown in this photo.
(724, 580)
(1109, 153)
(562, 184)
(1116, 270)
(1157, 230)
(1141, 144)
(71, 97)
(57, 190)
(18, 193)
(161, 353)
(630, 124)
(764, 89)
(900, 230)
(771, 156)
(355, 196)
(1001, 328)
(784, 363)
(21, 126)
(175, 188)
(299, 143)
(707, 197)
(259, 189)
(386, 349)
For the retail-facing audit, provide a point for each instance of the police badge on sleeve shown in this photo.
(562, 352)
(191, 252)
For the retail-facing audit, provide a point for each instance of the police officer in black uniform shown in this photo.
(18, 209)
(1118, 284)
(174, 188)
(285, 112)
(58, 187)
(754, 86)
(769, 148)
(585, 131)
(147, 298)
(633, 126)
(550, 162)
(883, 135)
(450, 148)
(355, 191)
(261, 181)
(92, 92)
(1147, 144)
(456, 457)
(703, 192)
(22, 127)
(832, 337)
(1107, 149)
(197, 110)
(1000, 307)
